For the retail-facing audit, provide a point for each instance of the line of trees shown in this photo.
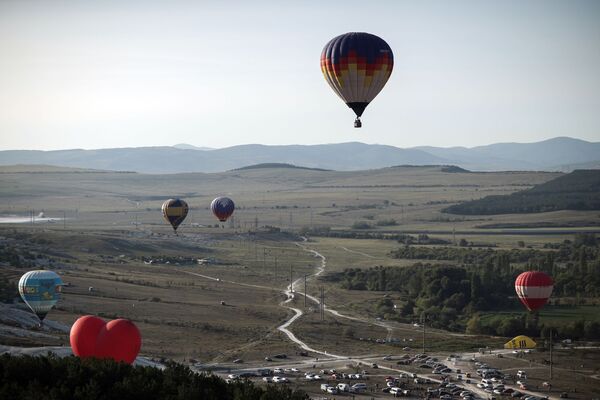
(53, 378)
(453, 296)
(579, 190)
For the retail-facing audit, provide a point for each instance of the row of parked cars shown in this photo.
(344, 387)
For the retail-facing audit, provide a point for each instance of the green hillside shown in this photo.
(579, 190)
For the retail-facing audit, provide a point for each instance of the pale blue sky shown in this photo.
(96, 74)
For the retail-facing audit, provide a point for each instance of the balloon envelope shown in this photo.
(84, 333)
(222, 207)
(520, 342)
(533, 288)
(357, 66)
(40, 290)
(175, 211)
(120, 340)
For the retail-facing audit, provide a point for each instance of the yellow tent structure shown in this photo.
(520, 342)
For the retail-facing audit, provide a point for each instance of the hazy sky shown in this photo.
(95, 74)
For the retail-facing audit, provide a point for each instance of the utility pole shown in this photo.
(551, 360)
(305, 291)
(423, 322)
(322, 304)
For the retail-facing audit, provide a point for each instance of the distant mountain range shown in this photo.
(558, 154)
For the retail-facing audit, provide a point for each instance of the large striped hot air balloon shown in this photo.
(222, 207)
(175, 211)
(357, 66)
(40, 290)
(533, 288)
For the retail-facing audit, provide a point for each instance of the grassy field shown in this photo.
(556, 314)
(114, 228)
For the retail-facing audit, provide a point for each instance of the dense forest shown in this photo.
(579, 190)
(481, 280)
(53, 378)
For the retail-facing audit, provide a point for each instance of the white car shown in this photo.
(280, 379)
(278, 371)
(233, 376)
(343, 387)
(295, 370)
(332, 390)
(395, 390)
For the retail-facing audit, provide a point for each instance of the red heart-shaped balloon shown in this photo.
(84, 334)
(118, 339)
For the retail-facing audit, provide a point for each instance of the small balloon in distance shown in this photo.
(533, 289)
(222, 208)
(174, 212)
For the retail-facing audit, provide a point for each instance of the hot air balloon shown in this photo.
(357, 66)
(222, 207)
(533, 288)
(40, 290)
(175, 211)
(118, 339)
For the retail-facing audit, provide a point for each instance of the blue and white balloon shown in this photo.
(40, 290)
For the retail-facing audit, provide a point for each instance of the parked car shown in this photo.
(343, 387)
(359, 387)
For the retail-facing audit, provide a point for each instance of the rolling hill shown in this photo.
(579, 190)
(558, 154)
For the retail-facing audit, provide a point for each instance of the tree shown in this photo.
(408, 308)
(474, 325)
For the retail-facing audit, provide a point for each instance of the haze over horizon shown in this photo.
(195, 146)
(113, 75)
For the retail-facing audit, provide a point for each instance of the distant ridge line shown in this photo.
(558, 154)
(278, 165)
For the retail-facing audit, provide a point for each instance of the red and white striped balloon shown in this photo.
(533, 288)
